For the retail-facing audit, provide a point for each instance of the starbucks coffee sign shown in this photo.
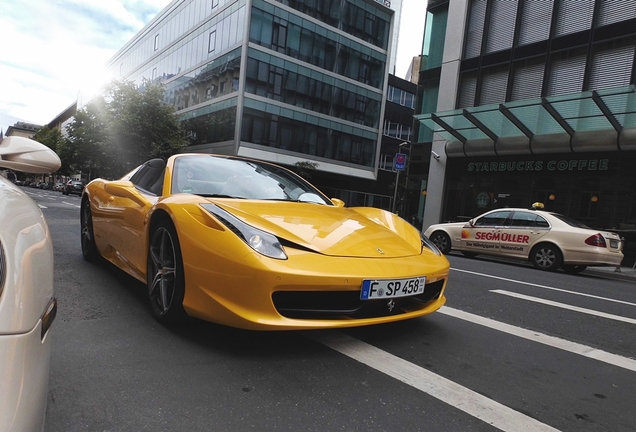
(552, 165)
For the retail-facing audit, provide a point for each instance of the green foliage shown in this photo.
(304, 168)
(53, 139)
(121, 128)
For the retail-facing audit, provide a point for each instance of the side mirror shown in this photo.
(124, 189)
(338, 202)
(23, 154)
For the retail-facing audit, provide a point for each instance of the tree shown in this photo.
(121, 128)
(305, 168)
(53, 139)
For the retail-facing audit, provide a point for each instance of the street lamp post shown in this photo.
(397, 179)
(398, 168)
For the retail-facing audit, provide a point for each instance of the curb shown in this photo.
(626, 273)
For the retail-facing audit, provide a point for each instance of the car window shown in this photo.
(493, 219)
(149, 176)
(541, 222)
(523, 219)
(238, 178)
(569, 221)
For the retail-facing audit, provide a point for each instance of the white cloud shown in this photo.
(51, 49)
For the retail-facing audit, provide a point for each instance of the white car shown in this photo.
(548, 240)
(27, 304)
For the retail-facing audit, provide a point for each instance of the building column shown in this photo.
(448, 91)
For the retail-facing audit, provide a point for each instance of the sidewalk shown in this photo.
(619, 273)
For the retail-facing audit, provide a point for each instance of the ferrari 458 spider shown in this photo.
(252, 245)
(27, 305)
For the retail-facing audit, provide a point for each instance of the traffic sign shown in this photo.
(400, 161)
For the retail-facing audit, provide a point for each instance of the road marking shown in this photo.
(546, 287)
(41, 206)
(71, 204)
(552, 341)
(566, 306)
(462, 398)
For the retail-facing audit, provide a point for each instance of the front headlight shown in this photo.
(426, 242)
(259, 240)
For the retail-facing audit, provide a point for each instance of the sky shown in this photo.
(50, 49)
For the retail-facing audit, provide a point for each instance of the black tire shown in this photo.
(573, 269)
(469, 254)
(164, 274)
(87, 236)
(442, 241)
(546, 256)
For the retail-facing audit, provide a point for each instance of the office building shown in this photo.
(280, 80)
(530, 100)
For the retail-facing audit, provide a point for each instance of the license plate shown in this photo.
(390, 288)
(614, 244)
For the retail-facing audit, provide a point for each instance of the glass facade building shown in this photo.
(279, 80)
(534, 102)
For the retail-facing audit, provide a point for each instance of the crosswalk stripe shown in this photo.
(545, 287)
(566, 306)
(462, 398)
(573, 347)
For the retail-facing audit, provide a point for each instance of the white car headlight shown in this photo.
(259, 240)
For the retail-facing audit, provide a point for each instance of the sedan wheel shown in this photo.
(166, 286)
(89, 249)
(546, 257)
(442, 241)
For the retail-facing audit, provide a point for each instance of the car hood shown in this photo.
(330, 230)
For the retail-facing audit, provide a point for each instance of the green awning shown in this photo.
(589, 121)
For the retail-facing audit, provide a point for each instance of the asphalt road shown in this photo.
(514, 349)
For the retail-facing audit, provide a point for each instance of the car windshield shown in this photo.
(568, 220)
(214, 176)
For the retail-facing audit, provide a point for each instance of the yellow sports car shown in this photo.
(252, 245)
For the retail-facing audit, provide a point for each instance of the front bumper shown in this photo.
(308, 291)
(24, 380)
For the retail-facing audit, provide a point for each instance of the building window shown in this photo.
(612, 64)
(467, 89)
(501, 28)
(308, 45)
(154, 74)
(574, 16)
(212, 42)
(610, 12)
(475, 32)
(536, 17)
(156, 42)
(567, 70)
(306, 138)
(434, 35)
(494, 84)
(528, 79)
(215, 3)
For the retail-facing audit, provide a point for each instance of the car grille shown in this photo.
(347, 304)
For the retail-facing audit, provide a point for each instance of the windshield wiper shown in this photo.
(207, 195)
